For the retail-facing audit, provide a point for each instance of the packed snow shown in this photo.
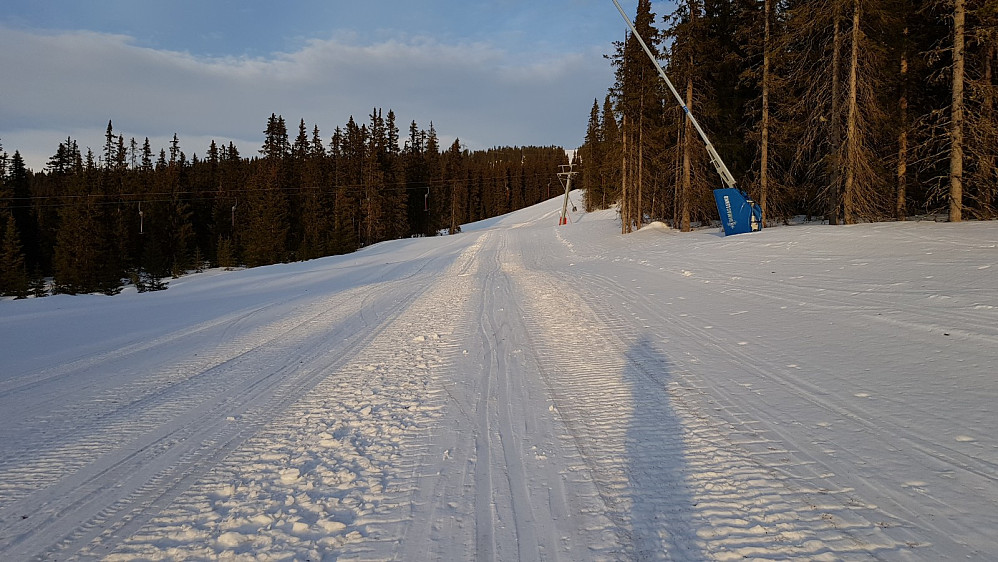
(521, 391)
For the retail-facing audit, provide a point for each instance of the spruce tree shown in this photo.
(846, 123)
(14, 280)
(434, 178)
(639, 96)
(373, 202)
(264, 232)
(455, 175)
(592, 160)
(85, 260)
(225, 253)
(297, 189)
(316, 225)
(980, 113)
(19, 186)
(610, 171)
(346, 149)
(415, 175)
(264, 228)
(759, 58)
(396, 194)
(688, 29)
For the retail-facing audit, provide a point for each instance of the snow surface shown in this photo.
(521, 391)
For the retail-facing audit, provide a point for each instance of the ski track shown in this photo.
(328, 474)
(715, 367)
(167, 429)
(670, 476)
(528, 392)
(498, 482)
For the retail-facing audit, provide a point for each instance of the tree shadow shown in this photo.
(662, 507)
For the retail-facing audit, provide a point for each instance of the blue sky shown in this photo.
(490, 73)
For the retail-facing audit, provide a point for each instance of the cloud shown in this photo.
(59, 84)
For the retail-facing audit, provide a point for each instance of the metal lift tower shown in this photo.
(565, 176)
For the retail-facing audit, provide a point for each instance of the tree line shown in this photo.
(95, 222)
(848, 110)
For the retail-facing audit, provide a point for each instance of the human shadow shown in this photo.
(662, 507)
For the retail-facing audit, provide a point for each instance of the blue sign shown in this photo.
(739, 214)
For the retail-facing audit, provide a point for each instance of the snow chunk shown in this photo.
(231, 539)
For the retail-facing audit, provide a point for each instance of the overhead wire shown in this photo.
(64, 200)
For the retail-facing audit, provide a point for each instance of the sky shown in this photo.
(497, 73)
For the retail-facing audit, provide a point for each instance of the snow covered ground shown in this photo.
(521, 391)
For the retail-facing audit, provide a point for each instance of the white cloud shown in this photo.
(59, 84)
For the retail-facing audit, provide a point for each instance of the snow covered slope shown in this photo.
(521, 391)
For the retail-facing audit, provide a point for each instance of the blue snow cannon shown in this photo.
(739, 213)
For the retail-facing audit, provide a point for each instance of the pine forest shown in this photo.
(840, 110)
(90, 223)
(843, 111)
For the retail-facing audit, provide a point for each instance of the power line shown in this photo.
(65, 200)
